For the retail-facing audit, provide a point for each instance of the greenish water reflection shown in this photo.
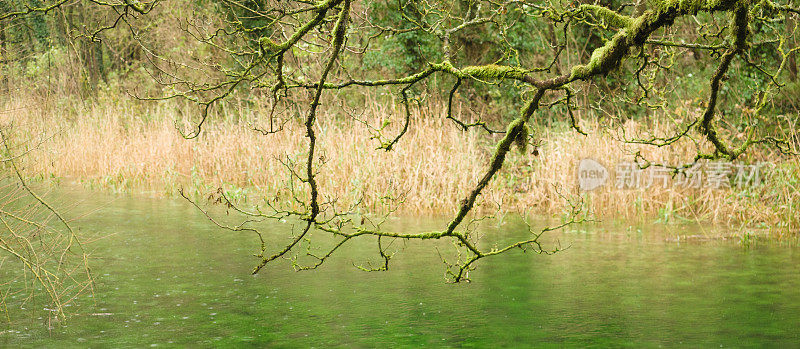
(168, 278)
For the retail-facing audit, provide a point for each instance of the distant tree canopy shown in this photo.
(527, 59)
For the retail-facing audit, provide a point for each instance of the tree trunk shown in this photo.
(791, 43)
(4, 60)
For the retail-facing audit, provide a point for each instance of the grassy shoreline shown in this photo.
(124, 147)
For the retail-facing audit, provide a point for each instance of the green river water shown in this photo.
(167, 278)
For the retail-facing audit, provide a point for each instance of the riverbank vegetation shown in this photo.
(338, 114)
(127, 147)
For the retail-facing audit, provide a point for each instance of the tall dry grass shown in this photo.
(124, 146)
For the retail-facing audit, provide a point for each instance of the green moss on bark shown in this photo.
(637, 30)
(607, 15)
(493, 71)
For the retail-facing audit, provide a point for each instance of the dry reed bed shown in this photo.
(432, 167)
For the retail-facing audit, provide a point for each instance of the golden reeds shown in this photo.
(135, 148)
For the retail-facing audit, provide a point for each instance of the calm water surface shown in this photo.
(167, 278)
